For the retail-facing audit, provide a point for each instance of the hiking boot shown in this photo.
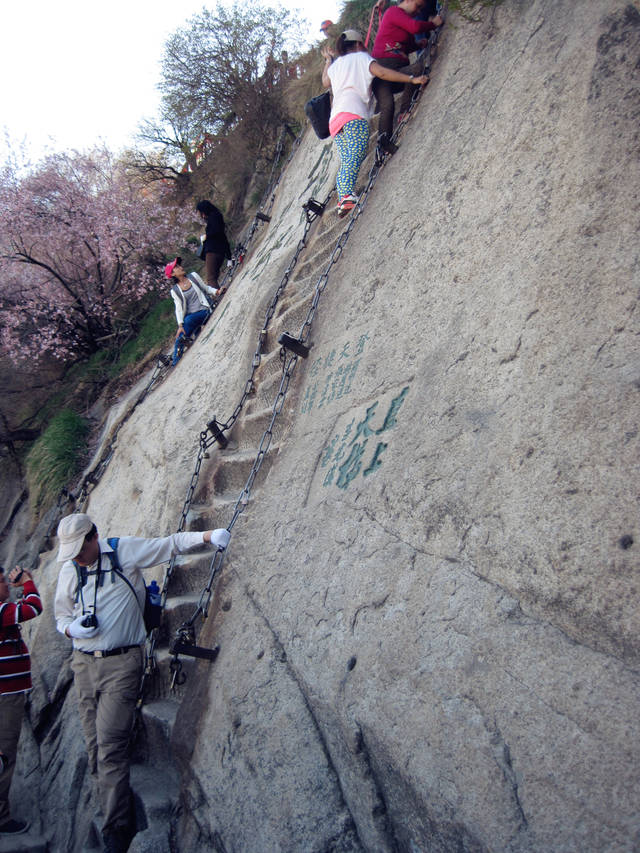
(386, 144)
(14, 827)
(346, 203)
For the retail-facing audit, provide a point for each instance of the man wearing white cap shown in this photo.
(103, 615)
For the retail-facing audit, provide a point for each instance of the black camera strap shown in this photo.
(116, 569)
(83, 573)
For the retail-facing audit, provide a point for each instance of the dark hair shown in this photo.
(93, 532)
(174, 278)
(205, 207)
(343, 46)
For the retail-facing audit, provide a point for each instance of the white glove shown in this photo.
(77, 630)
(220, 538)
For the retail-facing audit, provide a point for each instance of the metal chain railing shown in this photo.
(222, 427)
(163, 365)
(184, 641)
(185, 634)
(214, 433)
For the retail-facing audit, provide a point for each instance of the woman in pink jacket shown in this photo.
(395, 40)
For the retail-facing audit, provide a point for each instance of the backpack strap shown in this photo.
(113, 555)
(81, 575)
(117, 568)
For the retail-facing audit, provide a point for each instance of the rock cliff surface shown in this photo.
(428, 614)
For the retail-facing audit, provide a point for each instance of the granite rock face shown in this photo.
(427, 615)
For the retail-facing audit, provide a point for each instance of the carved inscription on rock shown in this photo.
(356, 449)
(331, 376)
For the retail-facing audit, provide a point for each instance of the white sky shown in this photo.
(74, 73)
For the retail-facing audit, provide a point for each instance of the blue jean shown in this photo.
(191, 324)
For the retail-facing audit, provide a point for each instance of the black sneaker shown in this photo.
(386, 144)
(14, 827)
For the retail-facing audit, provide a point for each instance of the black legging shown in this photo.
(212, 264)
(385, 91)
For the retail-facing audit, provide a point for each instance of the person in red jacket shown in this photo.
(395, 40)
(15, 682)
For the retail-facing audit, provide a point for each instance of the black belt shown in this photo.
(98, 654)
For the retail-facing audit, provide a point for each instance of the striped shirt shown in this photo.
(15, 664)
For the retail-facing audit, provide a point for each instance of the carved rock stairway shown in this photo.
(155, 777)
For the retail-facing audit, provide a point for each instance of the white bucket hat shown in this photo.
(71, 532)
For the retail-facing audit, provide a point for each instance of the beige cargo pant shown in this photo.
(107, 690)
(11, 714)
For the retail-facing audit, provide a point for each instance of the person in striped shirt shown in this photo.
(15, 682)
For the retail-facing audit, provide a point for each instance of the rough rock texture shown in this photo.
(428, 612)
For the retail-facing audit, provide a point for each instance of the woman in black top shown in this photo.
(216, 246)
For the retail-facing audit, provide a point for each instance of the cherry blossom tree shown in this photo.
(81, 245)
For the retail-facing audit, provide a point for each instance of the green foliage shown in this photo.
(54, 458)
(356, 14)
(158, 326)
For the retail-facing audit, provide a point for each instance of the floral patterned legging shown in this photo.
(352, 144)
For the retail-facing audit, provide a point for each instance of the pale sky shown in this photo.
(75, 73)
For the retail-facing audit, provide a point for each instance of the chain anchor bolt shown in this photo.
(313, 208)
(217, 433)
(294, 344)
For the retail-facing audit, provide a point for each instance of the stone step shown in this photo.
(154, 839)
(327, 234)
(270, 365)
(328, 223)
(202, 515)
(159, 687)
(254, 425)
(217, 513)
(93, 841)
(265, 396)
(30, 842)
(303, 286)
(178, 609)
(317, 262)
(156, 792)
(158, 717)
(231, 476)
(291, 322)
(188, 577)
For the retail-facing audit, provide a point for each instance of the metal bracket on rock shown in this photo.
(214, 428)
(184, 644)
(313, 208)
(287, 341)
(178, 648)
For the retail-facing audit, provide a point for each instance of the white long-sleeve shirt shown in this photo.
(180, 300)
(119, 613)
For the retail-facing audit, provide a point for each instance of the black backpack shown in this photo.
(318, 110)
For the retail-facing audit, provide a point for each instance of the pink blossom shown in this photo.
(81, 243)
